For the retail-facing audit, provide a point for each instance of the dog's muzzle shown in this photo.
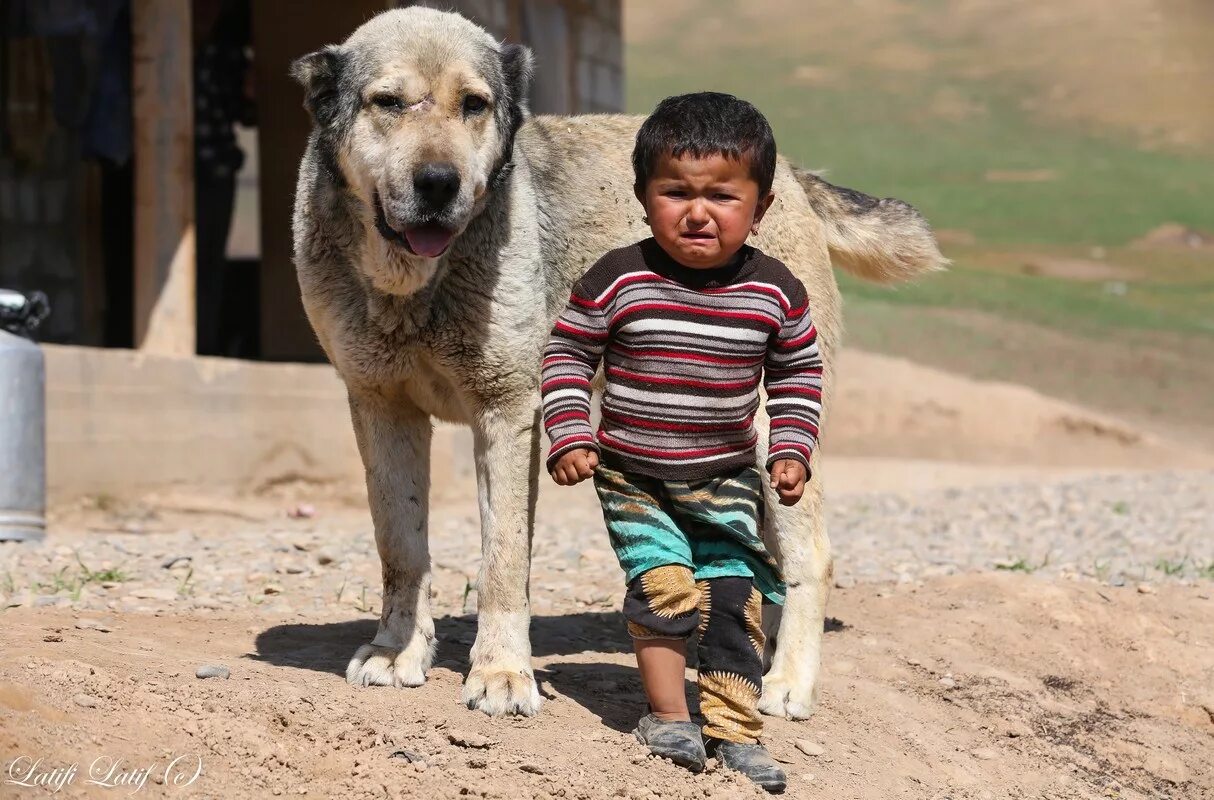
(428, 240)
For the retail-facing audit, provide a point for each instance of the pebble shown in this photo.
(153, 594)
(408, 755)
(810, 748)
(92, 625)
(985, 754)
(173, 561)
(272, 588)
(467, 739)
(1146, 588)
(948, 683)
(85, 701)
(212, 671)
(532, 768)
(845, 582)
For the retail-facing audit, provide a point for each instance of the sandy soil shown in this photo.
(975, 686)
(982, 684)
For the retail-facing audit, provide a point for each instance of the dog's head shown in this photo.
(417, 112)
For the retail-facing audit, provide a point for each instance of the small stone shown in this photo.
(845, 582)
(295, 569)
(1146, 588)
(302, 511)
(92, 625)
(948, 683)
(810, 748)
(272, 588)
(466, 739)
(532, 768)
(985, 754)
(154, 594)
(85, 701)
(110, 584)
(324, 558)
(212, 671)
(44, 600)
(173, 561)
(477, 763)
(914, 662)
(408, 755)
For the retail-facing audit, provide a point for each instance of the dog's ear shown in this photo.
(517, 63)
(319, 73)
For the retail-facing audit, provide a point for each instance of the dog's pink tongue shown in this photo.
(428, 240)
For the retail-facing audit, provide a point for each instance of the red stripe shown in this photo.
(676, 426)
(575, 414)
(582, 301)
(753, 288)
(777, 391)
(561, 358)
(609, 295)
(800, 448)
(558, 444)
(808, 336)
(548, 384)
(636, 308)
(681, 355)
(565, 327)
(788, 422)
(688, 382)
(704, 451)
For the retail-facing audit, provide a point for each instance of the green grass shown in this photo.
(1080, 307)
(875, 133)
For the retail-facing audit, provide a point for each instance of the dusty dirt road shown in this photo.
(980, 684)
(968, 686)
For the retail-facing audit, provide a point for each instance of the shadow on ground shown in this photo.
(328, 647)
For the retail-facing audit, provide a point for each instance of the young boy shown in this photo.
(687, 322)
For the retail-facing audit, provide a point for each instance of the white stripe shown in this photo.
(794, 401)
(581, 394)
(616, 282)
(673, 459)
(648, 397)
(682, 326)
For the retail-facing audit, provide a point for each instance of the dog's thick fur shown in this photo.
(458, 336)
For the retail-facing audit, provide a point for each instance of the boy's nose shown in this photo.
(698, 212)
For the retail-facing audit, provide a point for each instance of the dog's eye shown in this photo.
(388, 101)
(475, 104)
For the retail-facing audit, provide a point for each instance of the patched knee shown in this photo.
(663, 603)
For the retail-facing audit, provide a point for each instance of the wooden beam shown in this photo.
(162, 54)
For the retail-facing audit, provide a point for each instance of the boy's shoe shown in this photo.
(753, 761)
(679, 741)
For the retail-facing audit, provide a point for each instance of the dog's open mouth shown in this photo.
(427, 241)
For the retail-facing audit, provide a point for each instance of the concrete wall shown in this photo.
(120, 422)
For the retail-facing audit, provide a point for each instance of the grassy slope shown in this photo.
(886, 131)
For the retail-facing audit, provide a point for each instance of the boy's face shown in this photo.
(702, 209)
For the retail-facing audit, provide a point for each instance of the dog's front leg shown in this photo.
(790, 687)
(501, 680)
(394, 440)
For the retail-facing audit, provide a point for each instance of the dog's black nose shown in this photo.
(436, 184)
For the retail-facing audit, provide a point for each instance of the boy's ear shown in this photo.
(761, 209)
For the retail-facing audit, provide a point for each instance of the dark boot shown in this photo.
(678, 741)
(753, 761)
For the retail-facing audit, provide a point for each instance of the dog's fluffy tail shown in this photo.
(881, 240)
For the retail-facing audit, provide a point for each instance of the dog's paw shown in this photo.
(790, 699)
(373, 665)
(498, 692)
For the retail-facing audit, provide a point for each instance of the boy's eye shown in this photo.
(675, 193)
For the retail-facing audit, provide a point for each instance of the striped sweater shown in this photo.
(683, 352)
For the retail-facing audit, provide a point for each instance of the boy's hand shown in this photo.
(788, 479)
(575, 466)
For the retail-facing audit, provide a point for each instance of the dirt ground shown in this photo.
(947, 673)
(971, 686)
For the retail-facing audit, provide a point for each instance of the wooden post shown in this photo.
(162, 72)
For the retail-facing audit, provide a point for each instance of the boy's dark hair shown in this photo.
(706, 124)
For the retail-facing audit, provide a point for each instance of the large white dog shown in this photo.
(438, 230)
